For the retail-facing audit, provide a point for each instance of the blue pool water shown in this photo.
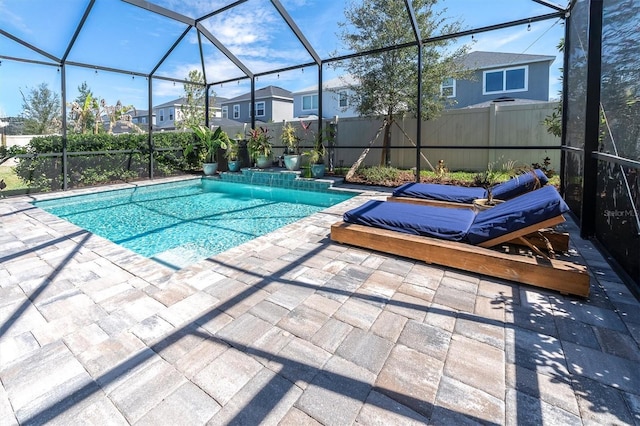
(184, 222)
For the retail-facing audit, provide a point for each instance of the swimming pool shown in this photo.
(181, 223)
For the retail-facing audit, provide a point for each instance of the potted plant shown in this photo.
(292, 151)
(207, 147)
(232, 154)
(487, 179)
(316, 156)
(260, 146)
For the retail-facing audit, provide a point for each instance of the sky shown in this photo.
(121, 36)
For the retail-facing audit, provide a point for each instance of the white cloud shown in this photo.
(241, 27)
(11, 19)
(163, 88)
(293, 4)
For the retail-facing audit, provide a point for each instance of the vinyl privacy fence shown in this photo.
(466, 139)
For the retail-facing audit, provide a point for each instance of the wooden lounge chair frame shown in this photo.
(563, 276)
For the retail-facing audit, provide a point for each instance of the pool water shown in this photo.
(181, 223)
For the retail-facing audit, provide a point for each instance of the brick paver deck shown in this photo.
(293, 329)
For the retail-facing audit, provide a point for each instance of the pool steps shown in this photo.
(281, 178)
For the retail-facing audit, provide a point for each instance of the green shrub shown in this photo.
(45, 172)
(378, 175)
(545, 167)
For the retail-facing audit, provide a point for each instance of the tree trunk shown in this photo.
(385, 157)
(355, 165)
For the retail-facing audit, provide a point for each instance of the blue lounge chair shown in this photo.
(462, 238)
(515, 186)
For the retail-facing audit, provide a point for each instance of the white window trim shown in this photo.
(236, 111)
(171, 114)
(453, 86)
(312, 108)
(161, 114)
(504, 80)
(225, 111)
(346, 99)
(264, 109)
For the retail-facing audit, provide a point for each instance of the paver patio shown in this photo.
(293, 329)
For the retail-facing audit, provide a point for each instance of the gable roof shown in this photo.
(264, 93)
(340, 82)
(482, 60)
(138, 112)
(217, 101)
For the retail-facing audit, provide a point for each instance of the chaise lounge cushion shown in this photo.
(461, 224)
(439, 192)
(461, 194)
(519, 185)
(515, 214)
(438, 222)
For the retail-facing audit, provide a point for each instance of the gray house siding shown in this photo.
(331, 94)
(278, 105)
(330, 105)
(243, 108)
(501, 75)
(168, 115)
(274, 110)
(470, 92)
(297, 105)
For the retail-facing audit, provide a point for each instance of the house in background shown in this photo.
(498, 75)
(167, 115)
(132, 121)
(272, 103)
(335, 99)
(140, 118)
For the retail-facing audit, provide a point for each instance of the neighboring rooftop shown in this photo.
(264, 93)
(334, 83)
(484, 60)
(215, 100)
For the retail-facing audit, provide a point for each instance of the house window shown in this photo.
(505, 80)
(236, 111)
(309, 102)
(343, 99)
(161, 113)
(170, 114)
(448, 88)
(259, 109)
(225, 112)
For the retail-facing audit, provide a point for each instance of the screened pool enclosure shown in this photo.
(140, 53)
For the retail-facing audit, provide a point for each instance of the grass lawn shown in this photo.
(10, 178)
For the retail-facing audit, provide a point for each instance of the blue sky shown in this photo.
(122, 36)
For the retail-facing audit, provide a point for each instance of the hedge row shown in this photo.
(45, 171)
